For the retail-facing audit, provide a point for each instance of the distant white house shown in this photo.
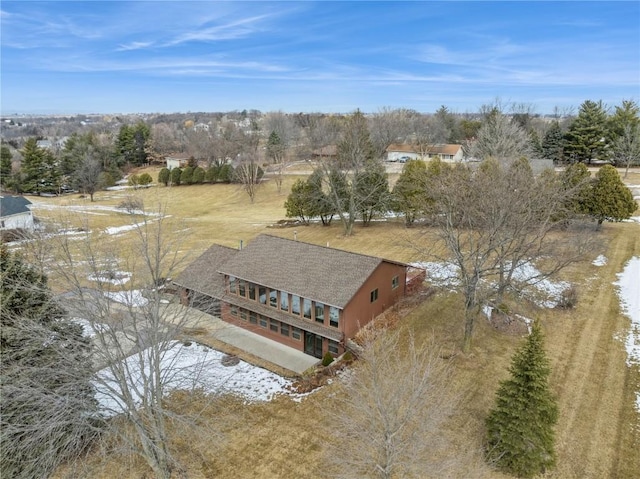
(177, 161)
(15, 213)
(450, 153)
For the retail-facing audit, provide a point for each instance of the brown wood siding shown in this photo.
(360, 310)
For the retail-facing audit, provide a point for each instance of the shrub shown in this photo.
(131, 204)
(347, 357)
(212, 174)
(187, 175)
(164, 176)
(134, 180)
(568, 298)
(145, 179)
(175, 177)
(107, 179)
(327, 359)
(198, 176)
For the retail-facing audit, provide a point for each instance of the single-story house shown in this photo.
(450, 153)
(177, 161)
(329, 151)
(308, 297)
(15, 213)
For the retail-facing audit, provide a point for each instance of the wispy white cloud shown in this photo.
(232, 30)
(133, 46)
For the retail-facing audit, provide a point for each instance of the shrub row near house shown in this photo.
(196, 176)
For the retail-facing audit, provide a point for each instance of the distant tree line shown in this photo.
(95, 158)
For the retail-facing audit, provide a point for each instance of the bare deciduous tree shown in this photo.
(134, 336)
(249, 174)
(494, 221)
(355, 182)
(89, 174)
(499, 138)
(627, 148)
(389, 126)
(386, 415)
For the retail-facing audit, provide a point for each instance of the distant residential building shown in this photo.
(450, 153)
(177, 161)
(15, 213)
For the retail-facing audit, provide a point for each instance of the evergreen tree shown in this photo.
(187, 176)
(176, 176)
(5, 165)
(39, 168)
(275, 148)
(520, 435)
(609, 198)
(132, 144)
(299, 203)
(409, 192)
(588, 137)
(49, 413)
(163, 176)
(372, 191)
(576, 182)
(626, 115)
(553, 143)
(198, 175)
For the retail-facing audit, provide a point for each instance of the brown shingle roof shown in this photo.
(323, 274)
(202, 275)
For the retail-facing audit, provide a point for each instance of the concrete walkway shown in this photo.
(254, 344)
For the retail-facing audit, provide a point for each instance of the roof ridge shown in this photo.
(327, 247)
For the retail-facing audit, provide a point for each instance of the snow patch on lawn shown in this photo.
(195, 366)
(446, 274)
(440, 274)
(629, 293)
(601, 260)
(112, 230)
(132, 298)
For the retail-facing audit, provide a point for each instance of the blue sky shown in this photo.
(163, 56)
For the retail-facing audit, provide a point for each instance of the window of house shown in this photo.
(284, 301)
(263, 321)
(241, 288)
(334, 316)
(319, 312)
(395, 282)
(284, 329)
(296, 333)
(262, 294)
(273, 298)
(232, 284)
(295, 304)
(253, 317)
(333, 347)
(252, 291)
(374, 295)
(234, 311)
(243, 314)
(273, 325)
(306, 307)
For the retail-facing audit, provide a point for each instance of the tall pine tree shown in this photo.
(588, 137)
(49, 413)
(520, 435)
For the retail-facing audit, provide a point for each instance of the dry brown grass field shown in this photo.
(598, 434)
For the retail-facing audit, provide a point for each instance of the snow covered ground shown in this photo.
(601, 260)
(629, 292)
(197, 366)
(545, 292)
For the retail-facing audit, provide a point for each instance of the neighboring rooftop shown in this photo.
(13, 205)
